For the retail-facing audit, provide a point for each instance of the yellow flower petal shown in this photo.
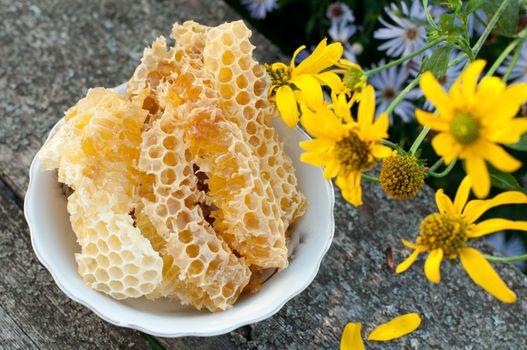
(351, 337)
(493, 225)
(324, 56)
(380, 151)
(500, 159)
(482, 273)
(286, 103)
(396, 328)
(489, 90)
(379, 129)
(341, 107)
(315, 158)
(444, 203)
(433, 265)
(319, 144)
(409, 244)
(366, 109)
(446, 146)
(407, 263)
(350, 187)
(462, 194)
(332, 168)
(311, 90)
(323, 124)
(479, 175)
(433, 121)
(330, 79)
(507, 133)
(470, 78)
(297, 51)
(435, 93)
(474, 209)
(510, 102)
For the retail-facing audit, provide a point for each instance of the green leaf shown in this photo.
(508, 22)
(504, 181)
(521, 145)
(473, 5)
(438, 62)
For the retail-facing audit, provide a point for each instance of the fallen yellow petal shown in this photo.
(396, 328)
(351, 338)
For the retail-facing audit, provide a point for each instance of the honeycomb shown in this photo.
(96, 151)
(241, 88)
(199, 268)
(247, 216)
(216, 64)
(182, 188)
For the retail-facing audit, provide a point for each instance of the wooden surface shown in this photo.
(52, 52)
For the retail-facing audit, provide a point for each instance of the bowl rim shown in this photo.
(212, 330)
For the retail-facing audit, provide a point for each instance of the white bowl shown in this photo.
(55, 243)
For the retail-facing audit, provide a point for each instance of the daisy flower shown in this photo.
(339, 12)
(341, 31)
(408, 31)
(260, 8)
(473, 121)
(293, 82)
(346, 149)
(446, 234)
(519, 71)
(388, 85)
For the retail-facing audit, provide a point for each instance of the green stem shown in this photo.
(370, 178)
(405, 58)
(402, 95)
(490, 27)
(445, 172)
(390, 144)
(513, 61)
(507, 259)
(436, 165)
(418, 140)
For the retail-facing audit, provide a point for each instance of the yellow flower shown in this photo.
(303, 82)
(396, 328)
(345, 149)
(446, 235)
(473, 120)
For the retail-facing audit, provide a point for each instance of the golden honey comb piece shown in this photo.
(241, 89)
(247, 214)
(96, 151)
(198, 266)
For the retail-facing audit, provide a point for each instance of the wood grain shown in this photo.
(53, 51)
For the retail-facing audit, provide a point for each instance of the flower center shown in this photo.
(388, 93)
(465, 128)
(279, 76)
(445, 231)
(354, 154)
(401, 176)
(336, 10)
(411, 33)
(354, 78)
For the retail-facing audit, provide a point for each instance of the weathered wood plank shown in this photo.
(33, 309)
(53, 51)
(12, 335)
